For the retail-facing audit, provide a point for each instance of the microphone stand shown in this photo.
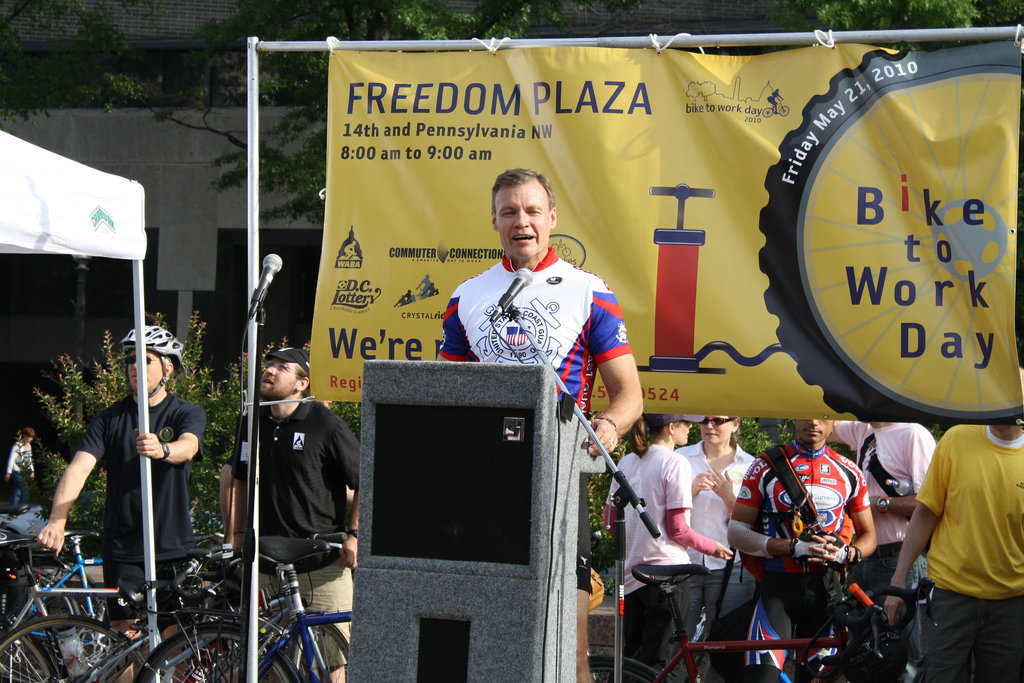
(250, 545)
(623, 496)
(619, 501)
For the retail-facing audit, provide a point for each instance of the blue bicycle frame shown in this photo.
(301, 629)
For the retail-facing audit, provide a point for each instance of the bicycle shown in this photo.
(292, 644)
(62, 649)
(84, 650)
(47, 592)
(61, 574)
(852, 614)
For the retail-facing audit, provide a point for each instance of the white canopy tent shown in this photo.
(52, 204)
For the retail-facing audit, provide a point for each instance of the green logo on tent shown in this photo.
(100, 218)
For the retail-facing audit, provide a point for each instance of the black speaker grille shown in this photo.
(448, 485)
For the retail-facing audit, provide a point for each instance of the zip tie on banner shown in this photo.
(322, 194)
(1017, 38)
(825, 39)
(493, 45)
(332, 44)
(658, 47)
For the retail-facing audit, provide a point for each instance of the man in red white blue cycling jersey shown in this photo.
(798, 583)
(574, 317)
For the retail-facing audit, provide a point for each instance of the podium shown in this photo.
(469, 510)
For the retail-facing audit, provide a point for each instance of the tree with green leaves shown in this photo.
(57, 53)
(872, 15)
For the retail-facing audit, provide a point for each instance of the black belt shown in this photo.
(889, 549)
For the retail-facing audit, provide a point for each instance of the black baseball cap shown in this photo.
(291, 354)
(659, 420)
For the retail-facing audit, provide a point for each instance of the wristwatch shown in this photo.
(883, 504)
(167, 450)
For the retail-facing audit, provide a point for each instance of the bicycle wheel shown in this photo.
(61, 649)
(209, 652)
(602, 669)
(26, 662)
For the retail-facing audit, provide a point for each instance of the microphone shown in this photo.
(523, 279)
(271, 264)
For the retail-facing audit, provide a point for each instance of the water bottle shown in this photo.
(71, 649)
(901, 488)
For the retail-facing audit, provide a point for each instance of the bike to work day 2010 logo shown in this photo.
(709, 97)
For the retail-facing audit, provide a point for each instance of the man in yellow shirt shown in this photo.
(971, 505)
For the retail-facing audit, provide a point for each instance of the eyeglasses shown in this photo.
(279, 367)
(716, 421)
(130, 360)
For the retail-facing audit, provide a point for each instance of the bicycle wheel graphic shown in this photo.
(885, 240)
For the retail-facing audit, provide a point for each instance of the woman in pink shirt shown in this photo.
(663, 480)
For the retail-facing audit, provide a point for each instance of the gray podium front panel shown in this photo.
(469, 490)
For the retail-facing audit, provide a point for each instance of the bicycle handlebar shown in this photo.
(870, 617)
(335, 539)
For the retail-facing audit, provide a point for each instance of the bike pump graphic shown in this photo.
(676, 296)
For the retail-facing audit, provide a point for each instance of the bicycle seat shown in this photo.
(80, 534)
(284, 550)
(15, 509)
(12, 540)
(667, 574)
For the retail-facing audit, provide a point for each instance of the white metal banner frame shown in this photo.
(679, 41)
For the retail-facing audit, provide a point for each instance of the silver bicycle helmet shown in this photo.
(156, 339)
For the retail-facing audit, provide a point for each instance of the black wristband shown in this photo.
(609, 421)
(354, 533)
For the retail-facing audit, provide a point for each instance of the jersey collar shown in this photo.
(549, 260)
(803, 450)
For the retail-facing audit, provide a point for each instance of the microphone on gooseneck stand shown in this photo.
(523, 279)
(271, 265)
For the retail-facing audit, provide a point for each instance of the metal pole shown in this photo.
(654, 41)
(253, 207)
(145, 464)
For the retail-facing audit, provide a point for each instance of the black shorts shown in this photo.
(132, 574)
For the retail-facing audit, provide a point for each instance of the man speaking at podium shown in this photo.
(572, 314)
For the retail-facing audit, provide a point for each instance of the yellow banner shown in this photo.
(810, 232)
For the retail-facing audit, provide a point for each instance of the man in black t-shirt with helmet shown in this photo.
(113, 439)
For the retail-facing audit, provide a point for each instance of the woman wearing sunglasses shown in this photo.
(717, 463)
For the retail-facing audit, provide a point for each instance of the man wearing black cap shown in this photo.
(307, 458)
